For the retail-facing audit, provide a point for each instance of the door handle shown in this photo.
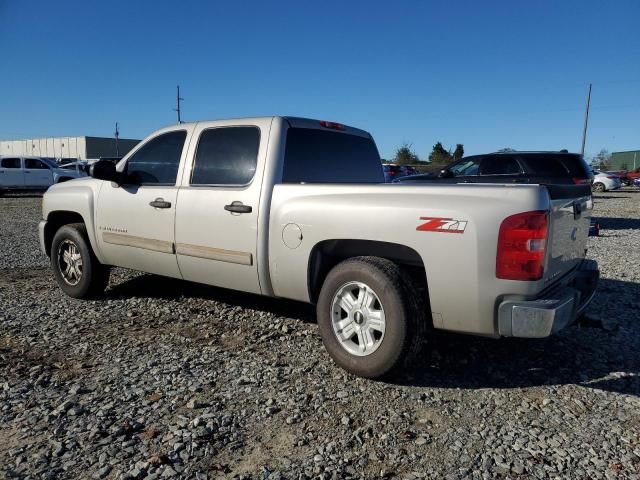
(238, 207)
(160, 203)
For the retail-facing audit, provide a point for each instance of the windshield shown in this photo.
(52, 163)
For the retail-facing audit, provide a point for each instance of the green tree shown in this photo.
(405, 156)
(506, 150)
(440, 156)
(601, 160)
(458, 153)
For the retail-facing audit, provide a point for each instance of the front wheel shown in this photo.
(368, 316)
(598, 187)
(77, 270)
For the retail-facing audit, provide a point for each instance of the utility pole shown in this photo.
(586, 121)
(117, 135)
(178, 100)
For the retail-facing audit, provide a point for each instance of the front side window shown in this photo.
(35, 164)
(10, 163)
(226, 156)
(157, 162)
(466, 167)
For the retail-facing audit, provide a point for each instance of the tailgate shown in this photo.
(569, 220)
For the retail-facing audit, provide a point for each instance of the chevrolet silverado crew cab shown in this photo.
(298, 208)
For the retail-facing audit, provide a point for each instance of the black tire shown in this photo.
(94, 276)
(403, 309)
(598, 187)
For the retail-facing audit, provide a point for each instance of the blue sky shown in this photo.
(486, 74)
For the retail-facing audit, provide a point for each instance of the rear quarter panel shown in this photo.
(460, 267)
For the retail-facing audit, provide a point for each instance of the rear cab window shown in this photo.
(325, 156)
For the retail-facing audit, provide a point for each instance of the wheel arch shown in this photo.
(57, 219)
(328, 253)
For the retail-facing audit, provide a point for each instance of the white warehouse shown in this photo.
(82, 148)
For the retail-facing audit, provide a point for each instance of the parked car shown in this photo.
(32, 173)
(546, 168)
(406, 170)
(391, 172)
(628, 178)
(295, 208)
(78, 166)
(603, 181)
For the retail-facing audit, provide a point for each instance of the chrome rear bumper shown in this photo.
(541, 317)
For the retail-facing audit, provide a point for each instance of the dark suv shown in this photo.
(513, 167)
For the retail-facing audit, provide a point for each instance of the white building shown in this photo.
(82, 148)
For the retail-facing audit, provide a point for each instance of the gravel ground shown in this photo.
(167, 379)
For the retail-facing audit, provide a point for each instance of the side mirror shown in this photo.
(105, 170)
(445, 173)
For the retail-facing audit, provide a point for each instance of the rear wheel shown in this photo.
(76, 268)
(368, 316)
(598, 187)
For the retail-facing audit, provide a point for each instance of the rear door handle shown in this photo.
(160, 203)
(238, 207)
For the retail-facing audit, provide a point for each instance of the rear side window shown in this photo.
(576, 165)
(500, 165)
(226, 156)
(319, 156)
(556, 165)
(10, 163)
(34, 163)
(156, 163)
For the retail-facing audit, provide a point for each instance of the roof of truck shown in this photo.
(297, 122)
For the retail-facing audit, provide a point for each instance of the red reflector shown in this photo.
(580, 181)
(334, 125)
(522, 243)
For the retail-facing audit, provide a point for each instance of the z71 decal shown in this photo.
(445, 225)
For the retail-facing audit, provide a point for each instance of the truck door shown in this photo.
(135, 221)
(37, 173)
(217, 213)
(11, 173)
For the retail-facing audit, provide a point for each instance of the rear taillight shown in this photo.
(522, 242)
(580, 181)
(612, 177)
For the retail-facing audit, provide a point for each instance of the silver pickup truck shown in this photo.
(297, 208)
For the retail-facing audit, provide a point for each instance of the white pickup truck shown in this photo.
(32, 173)
(297, 208)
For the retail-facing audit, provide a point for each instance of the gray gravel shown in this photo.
(166, 379)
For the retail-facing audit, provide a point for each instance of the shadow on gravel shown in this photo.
(602, 354)
(610, 223)
(22, 195)
(153, 286)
